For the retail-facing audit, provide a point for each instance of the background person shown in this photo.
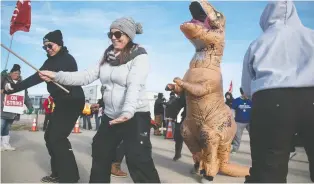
(241, 108)
(159, 113)
(277, 74)
(49, 106)
(86, 115)
(7, 118)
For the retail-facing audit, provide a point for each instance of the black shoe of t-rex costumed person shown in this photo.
(207, 179)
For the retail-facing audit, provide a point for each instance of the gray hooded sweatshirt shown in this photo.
(283, 56)
(125, 91)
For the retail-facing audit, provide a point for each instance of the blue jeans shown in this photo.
(5, 126)
(87, 118)
(97, 120)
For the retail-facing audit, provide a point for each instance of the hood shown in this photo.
(279, 13)
(160, 95)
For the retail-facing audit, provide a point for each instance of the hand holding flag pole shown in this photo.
(32, 66)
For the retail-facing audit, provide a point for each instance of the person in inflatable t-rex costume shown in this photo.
(209, 127)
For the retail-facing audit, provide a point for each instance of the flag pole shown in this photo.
(32, 66)
(6, 63)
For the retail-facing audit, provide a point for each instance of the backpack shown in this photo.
(51, 105)
(87, 111)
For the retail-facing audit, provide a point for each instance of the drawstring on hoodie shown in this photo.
(285, 20)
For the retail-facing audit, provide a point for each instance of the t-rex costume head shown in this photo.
(206, 29)
(209, 127)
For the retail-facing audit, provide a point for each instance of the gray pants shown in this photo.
(237, 138)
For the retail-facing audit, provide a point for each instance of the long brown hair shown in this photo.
(125, 52)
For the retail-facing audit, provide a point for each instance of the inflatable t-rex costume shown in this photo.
(209, 127)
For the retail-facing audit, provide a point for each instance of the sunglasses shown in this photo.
(116, 34)
(47, 46)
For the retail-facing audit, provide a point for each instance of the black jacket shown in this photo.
(158, 107)
(101, 103)
(62, 61)
(172, 107)
(183, 105)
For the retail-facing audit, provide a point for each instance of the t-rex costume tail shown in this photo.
(209, 127)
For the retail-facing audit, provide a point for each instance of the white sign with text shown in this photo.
(14, 102)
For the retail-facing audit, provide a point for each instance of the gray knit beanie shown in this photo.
(128, 26)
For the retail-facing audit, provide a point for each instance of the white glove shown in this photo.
(8, 87)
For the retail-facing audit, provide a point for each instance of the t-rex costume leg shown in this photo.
(209, 127)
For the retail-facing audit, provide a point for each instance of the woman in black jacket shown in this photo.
(67, 110)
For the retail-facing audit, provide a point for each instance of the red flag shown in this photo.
(230, 88)
(21, 18)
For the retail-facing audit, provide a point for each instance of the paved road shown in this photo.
(28, 120)
(31, 161)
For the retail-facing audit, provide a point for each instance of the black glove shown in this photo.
(4, 72)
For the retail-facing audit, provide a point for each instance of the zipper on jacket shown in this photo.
(112, 90)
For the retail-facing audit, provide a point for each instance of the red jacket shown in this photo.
(48, 105)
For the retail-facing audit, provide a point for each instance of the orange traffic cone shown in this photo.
(169, 134)
(34, 126)
(77, 127)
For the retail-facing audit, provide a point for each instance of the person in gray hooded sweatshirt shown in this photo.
(278, 75)
(123, 71)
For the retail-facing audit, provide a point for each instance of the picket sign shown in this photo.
(14, 103)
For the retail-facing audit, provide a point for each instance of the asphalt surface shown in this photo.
(31, 161)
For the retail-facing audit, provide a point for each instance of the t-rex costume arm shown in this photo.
(175, 88)
(209, 127)
(196, 89)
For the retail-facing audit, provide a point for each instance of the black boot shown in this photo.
(195, 168)
(178, 149)
(177, 157)
(207, 179)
